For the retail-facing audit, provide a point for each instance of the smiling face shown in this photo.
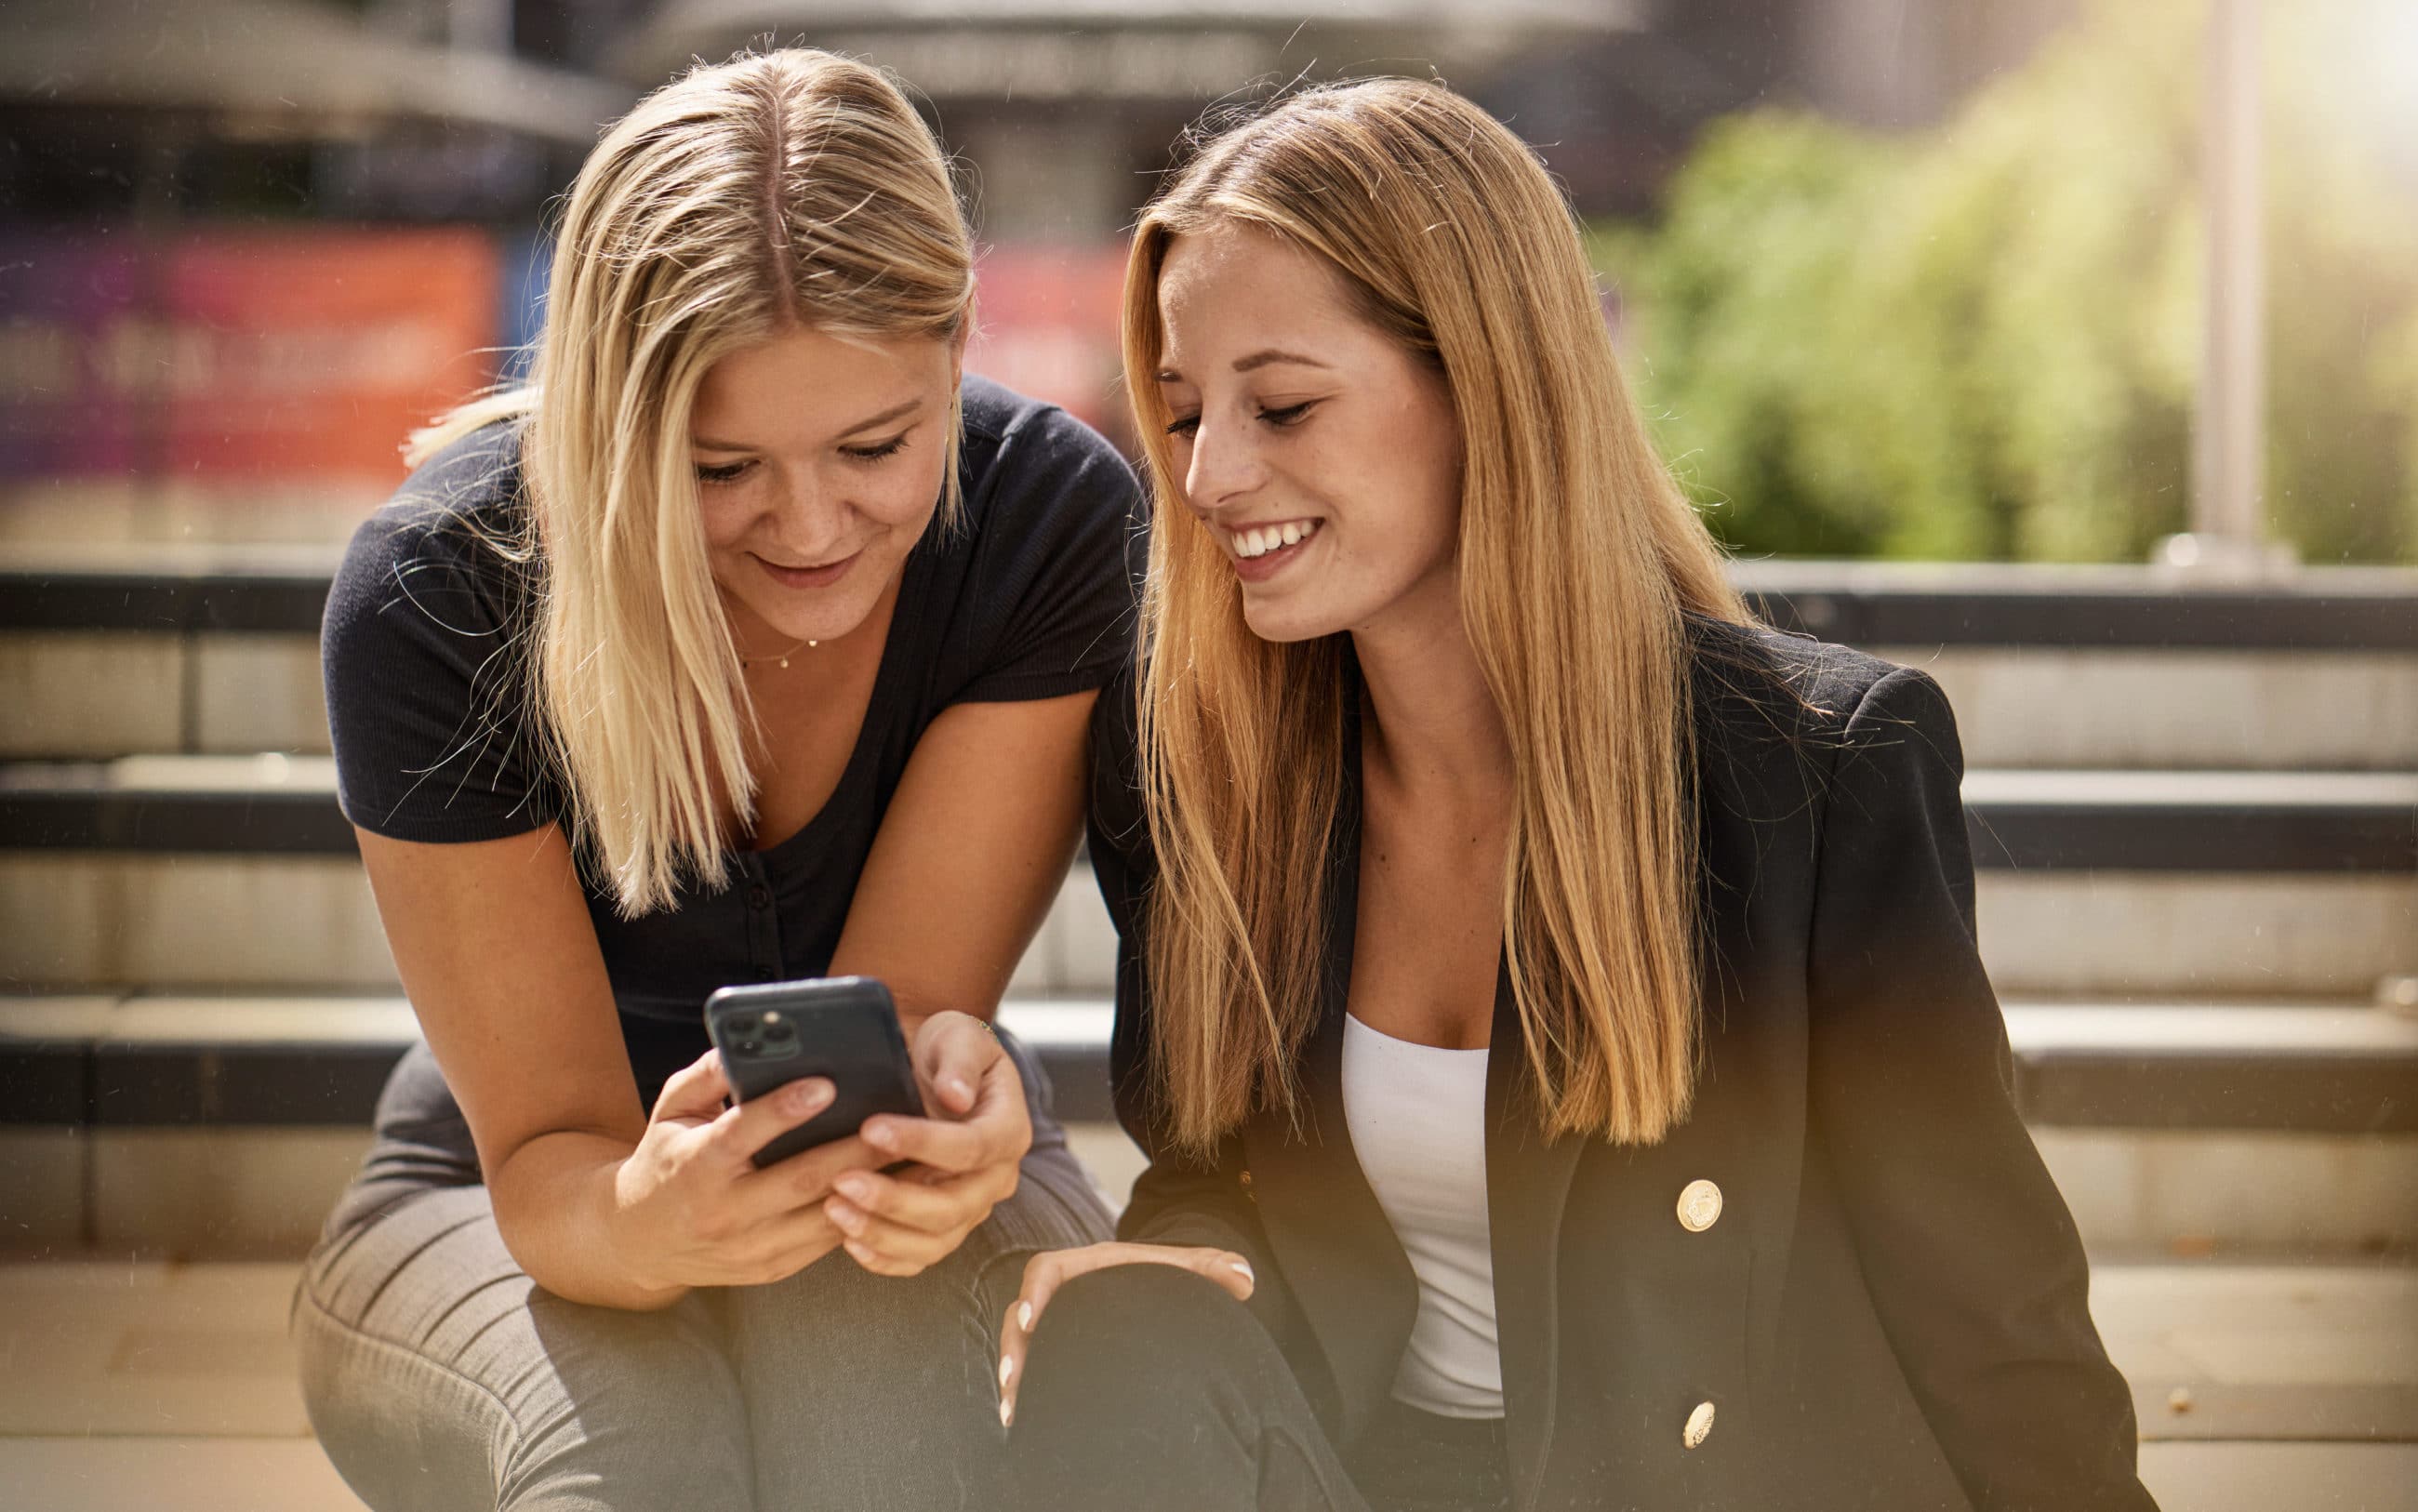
(819, 464)
(1322, 456)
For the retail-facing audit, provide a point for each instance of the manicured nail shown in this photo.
(1006, 1368)
(1243, 1268)
(1006, 1412)
(1024, 1316)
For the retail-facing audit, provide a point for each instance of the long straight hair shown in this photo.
(1578, 559)
(777, 191)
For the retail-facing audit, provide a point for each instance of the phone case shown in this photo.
(844, 1028)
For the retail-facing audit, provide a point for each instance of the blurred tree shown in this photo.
(1982, 342)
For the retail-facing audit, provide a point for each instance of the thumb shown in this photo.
(695, 1093)
(953, 1051)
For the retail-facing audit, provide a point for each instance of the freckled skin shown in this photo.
(1375, 457)
(792, 408)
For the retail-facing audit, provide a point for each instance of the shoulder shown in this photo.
(1753, 684)
(446, 547)
(1022, 452)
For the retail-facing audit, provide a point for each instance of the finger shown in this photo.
(1043, 1275)
(890, 1248)
(802, 1182)
(794, 1242)
(955, 1148)
(736, 1136)
(932, 1206)
(694, 1091)
(953, 1054)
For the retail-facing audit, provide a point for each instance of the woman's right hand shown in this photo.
(1051, 1269)
(691, 1208)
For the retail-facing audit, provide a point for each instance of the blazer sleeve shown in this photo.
(1973, 1259)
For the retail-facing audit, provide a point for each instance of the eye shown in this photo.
(1183, 425)
(728, 472)
(1289, 415)
(876, 452)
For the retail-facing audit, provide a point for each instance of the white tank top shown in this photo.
(1417, 1118)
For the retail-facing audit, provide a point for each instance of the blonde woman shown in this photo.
(1549, 997)
(749, 642)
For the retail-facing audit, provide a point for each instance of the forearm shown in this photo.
(556, 1200)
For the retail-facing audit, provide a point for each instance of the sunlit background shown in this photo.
(1899, 279)
(2067, 348)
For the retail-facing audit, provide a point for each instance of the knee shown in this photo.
(1142, 1333)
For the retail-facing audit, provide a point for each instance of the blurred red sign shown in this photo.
(1045, 324)
(287, 354)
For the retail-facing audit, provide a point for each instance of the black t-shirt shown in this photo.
(422, 650)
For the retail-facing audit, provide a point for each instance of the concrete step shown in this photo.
(218, 1126)
(2180, 821)
(147, 1384)
(235, 692)
(214, 651)
(234, 872)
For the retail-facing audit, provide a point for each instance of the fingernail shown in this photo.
(881, 1136)
(854, 1184)
(1243, 1268)
(846, 1216)
(806, 1097)
(1006, 1368)
(1024, 1316)
(959, 1088)
(1006, 1412)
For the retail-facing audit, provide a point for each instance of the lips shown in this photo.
(821, 576)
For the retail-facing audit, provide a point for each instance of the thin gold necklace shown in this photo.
(782, 657)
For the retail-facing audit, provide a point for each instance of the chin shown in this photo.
(1285, 623)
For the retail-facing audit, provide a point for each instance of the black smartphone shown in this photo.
(844, 1028)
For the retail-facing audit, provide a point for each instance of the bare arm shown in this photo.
(500, 958)
(972, 852)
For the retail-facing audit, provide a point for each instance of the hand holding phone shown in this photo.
(842, 1028)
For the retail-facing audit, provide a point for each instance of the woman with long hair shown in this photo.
(1549, 997)
(749, 641)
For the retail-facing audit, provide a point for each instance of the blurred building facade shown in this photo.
(253, 242)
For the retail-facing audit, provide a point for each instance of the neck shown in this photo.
(1432, 725)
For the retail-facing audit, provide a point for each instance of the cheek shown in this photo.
(725, 513)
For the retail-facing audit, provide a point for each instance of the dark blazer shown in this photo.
(1888, 1310)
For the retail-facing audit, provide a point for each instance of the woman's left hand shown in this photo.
(964, 1153)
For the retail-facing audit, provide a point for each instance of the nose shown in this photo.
(806, 517)
(1224, 466)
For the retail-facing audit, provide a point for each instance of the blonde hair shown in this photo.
(788, 189)
(1578, 559)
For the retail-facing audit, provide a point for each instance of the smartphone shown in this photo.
(844, 1028)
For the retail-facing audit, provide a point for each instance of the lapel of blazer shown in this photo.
(1528, 1187)
(1333, 1240)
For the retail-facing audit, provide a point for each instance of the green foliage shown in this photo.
(1982, 341)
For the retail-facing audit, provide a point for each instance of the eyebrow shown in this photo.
(1255, 361)
(894, 412)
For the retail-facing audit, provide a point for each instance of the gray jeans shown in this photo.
(439, 1376)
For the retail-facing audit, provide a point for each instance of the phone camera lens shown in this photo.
(743, 1024)
(779, 1033)
(749, 1047)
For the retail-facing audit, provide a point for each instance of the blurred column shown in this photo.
(479, 26)
(2229, 441)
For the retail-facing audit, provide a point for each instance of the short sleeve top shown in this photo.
(1029, 595)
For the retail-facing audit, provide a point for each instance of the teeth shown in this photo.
(1261, 540)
